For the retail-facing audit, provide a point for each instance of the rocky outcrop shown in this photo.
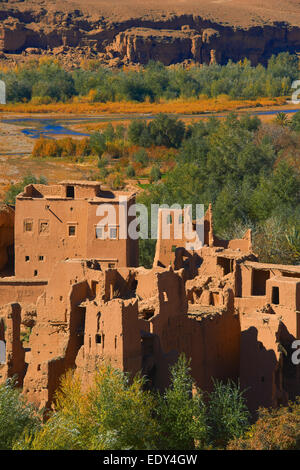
(37, 27)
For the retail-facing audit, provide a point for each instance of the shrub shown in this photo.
(16, 415)
(142, 157)
(130, 171)
(155, 174)
(181, 414)
(227, 414)
(275, 429)
(114, 413)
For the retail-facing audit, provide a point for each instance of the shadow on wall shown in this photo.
(265, 376)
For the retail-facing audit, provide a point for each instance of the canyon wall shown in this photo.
(33, 28)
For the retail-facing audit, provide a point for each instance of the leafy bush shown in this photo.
(15, 415)
(155, 174)
(112, 414)
(227, 413)
(162, 131)
(275, 429)
(141, 156)
(181, 414)
(130, 171)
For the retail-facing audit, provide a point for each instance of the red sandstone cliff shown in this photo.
(118, 32)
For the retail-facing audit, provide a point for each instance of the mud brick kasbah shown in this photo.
(85, 300)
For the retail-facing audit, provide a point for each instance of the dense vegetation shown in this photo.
(46, 81)
(118, 413)
(250, 172)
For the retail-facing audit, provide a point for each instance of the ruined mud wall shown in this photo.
(22, 291)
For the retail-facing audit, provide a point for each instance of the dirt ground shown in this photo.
(243, 13)
(16, 161)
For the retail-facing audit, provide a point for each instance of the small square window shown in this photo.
(44, 226)
(72, 230)
(35, 272)
(28, 225)
(27, 258)
(41, 258)
(113, 233)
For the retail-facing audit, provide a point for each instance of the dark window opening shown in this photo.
(70, 192)
(275, 295)
(28, 225)
(98, 339)
(35, 272)
(226, 264)
(41, 258)
(259, 280)
(27, 258)
(72, 230)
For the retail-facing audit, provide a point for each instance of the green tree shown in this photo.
(141, 156)
(295, 122)
(130, 171)
(155, 174)
(16, 415)
(167, 131)
(227, 413)
(181, 414)
(114, 413)
(282, 119)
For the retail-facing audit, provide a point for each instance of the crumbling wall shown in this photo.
(10, 328)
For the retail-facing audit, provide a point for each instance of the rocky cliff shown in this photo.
(134, 32)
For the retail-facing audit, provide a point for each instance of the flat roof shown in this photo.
(266, 266)
(79, 183)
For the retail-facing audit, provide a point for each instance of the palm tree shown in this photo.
(282, 119)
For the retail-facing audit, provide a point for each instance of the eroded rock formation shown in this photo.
(119, 34)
